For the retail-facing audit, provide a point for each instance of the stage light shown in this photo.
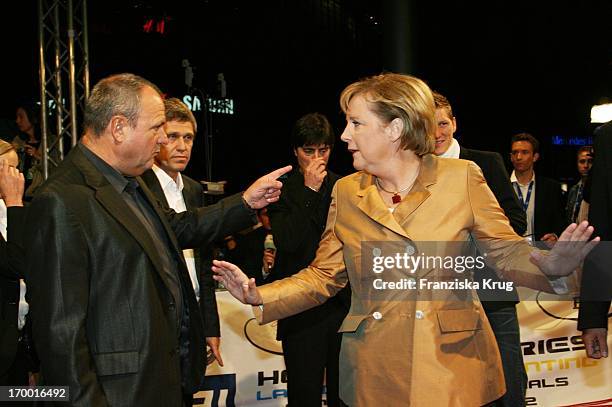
(601, 113)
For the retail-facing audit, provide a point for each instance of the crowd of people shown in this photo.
(119, 301)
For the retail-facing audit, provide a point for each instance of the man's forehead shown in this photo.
(522, 145)
(315, 146)
(179, 126)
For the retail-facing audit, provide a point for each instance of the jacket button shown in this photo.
(419, 314)
(377, 315)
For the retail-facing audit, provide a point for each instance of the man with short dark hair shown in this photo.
(179, 192)
(541, 198)
(114, 314)
(577, 209)
(311, 342)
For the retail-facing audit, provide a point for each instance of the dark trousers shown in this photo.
(506, 329)
(310, 356)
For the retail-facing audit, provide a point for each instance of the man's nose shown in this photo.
(180, 144)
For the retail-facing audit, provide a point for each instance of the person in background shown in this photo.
(28, 144)
(577, 209)
(541, 198)
(311, 342)
(501, 309)
(181, 193)
(18, 361)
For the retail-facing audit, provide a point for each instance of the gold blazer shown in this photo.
(419, 351)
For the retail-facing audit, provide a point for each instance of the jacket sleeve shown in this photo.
(506, 252)
(203, 226)
(597, 274)
(57, 274)
(312, 286)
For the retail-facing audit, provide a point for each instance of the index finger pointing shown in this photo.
(279, 172)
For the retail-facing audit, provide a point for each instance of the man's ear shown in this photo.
(395, 129)
(536, 157)
(118, 126)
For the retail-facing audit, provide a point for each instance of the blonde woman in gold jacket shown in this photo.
(399, 350)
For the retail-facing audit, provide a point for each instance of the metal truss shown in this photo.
(63, 75)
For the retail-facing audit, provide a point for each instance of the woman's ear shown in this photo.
(395, 128)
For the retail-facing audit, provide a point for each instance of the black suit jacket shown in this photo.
(104, 317)
(549, 210)
(497, 178)
(11, 269)
(596, 284)
(298, 220)
(193, 194)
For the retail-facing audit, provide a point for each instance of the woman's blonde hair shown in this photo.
(5, 147)
(392, 96)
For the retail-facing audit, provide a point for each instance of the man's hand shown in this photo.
(236, 282)
(265, 190)
(214, 342)
(269, 256)
(568, 253)
(315, 173)
(11, 184)
(595, 342)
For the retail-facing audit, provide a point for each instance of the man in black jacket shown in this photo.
(311, 344)
(596, 284)
(114, 313)
(500, 309)
(541, 198)
(181, 193)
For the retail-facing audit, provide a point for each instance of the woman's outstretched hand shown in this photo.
(569, 251)
(236, 282)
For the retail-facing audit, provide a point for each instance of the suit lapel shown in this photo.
(116, 207)
(419, 192)
(373, 206)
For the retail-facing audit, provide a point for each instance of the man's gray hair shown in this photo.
(112, 96)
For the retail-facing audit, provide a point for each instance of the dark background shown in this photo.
(506, 66)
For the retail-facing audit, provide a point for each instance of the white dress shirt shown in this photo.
(174, 195)
(24, 307)
(453, 150)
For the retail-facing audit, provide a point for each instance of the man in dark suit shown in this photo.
(501, 305)
(311, 342)
(596, 284)
(541, 198)
(114, 314)
(179, 192)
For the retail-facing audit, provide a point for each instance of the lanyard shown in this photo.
(576, 209)
(524, 202)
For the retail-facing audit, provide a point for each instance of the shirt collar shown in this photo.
(166, 180)
(514, 179)
(453, 150)
(114, 177)
(3, 222)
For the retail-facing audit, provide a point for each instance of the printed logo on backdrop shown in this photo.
(263, 337)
